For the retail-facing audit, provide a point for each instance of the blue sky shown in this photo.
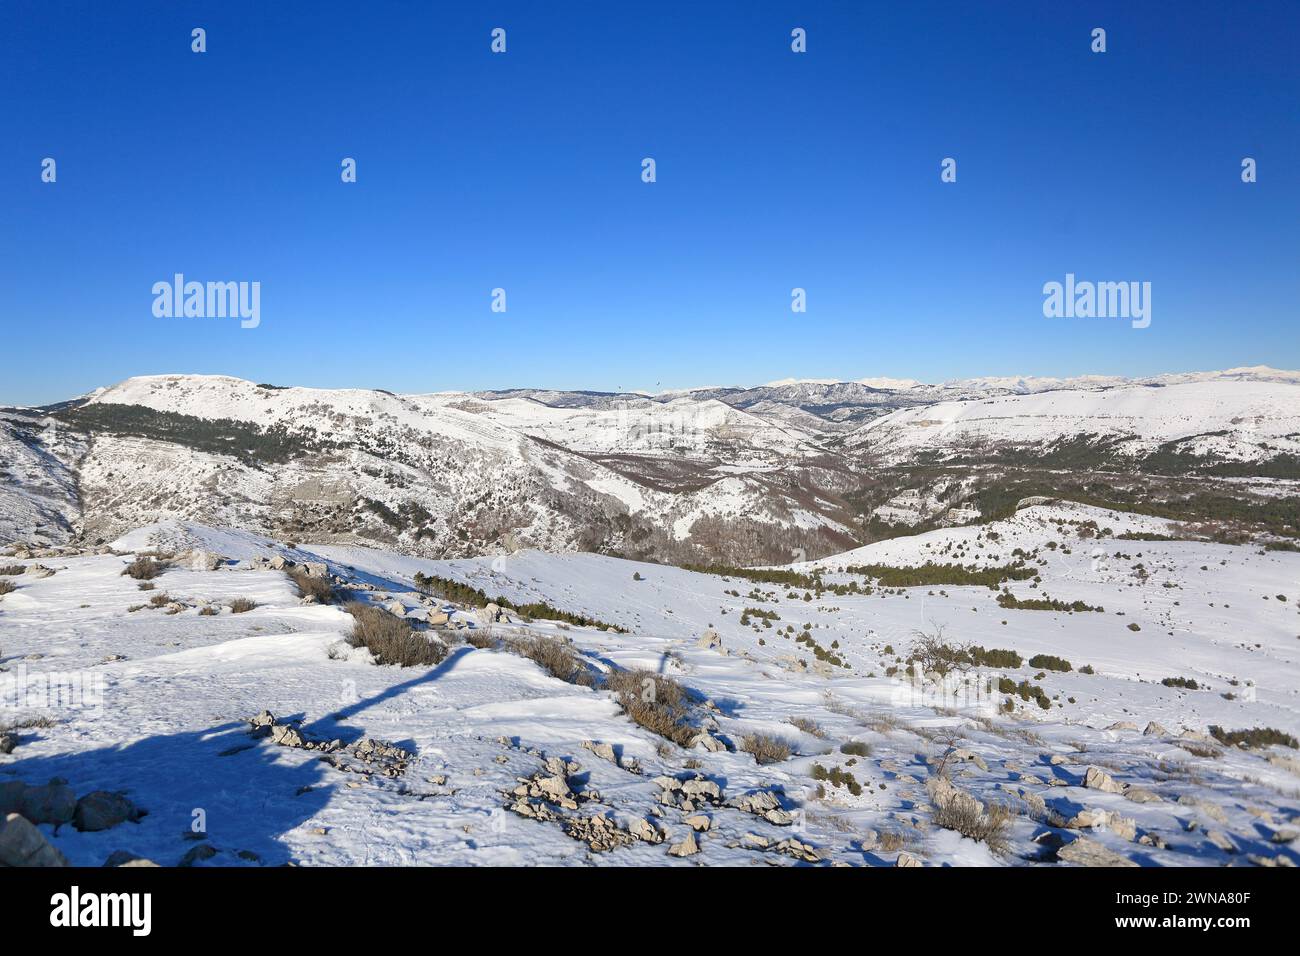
(522, 171)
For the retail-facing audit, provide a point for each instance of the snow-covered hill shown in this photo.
(499, 761)
(737, 476)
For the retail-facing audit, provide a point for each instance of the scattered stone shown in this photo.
(1221, 840)
(645, 830)
(1142, 795)
(1211, 810)
(1097, 779)
(906, 859)
(1084, 852)
(709, 640)
(197, 854)
(969, 756)
(688, 846)
(127, 858)
(599, 832)
(699, 822)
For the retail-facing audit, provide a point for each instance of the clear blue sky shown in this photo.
(522, 171)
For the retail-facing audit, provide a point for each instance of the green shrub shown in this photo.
(1049, 662)
(1186, 683)
(1256, 737)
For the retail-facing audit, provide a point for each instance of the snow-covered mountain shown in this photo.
(730, 475)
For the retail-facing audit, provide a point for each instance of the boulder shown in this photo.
(316, 569)
(709, 640)
(1154, 730)
(22, 844)
(437, 618)
(906, 859)
(1097, 779)
(127, 858)
(699, 822)
(688, 846)
(53, 803)
(102, 810)
(1085, 852)
(8, 742)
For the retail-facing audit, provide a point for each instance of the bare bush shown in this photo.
(555, 657)
(240, 605)
(657, 703)
(9, 570)
(311, 586)
(390, 638)
(807, 725)
(959, 811)
(7, 586)
(144, 568)
(766, 749)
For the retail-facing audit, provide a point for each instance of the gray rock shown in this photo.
(102, 810)
(127, 858)
(1085, 852)
(53, 803)
(687, 847)
(1097, 779)
(21, 844)
(204, 851)
(8, 742)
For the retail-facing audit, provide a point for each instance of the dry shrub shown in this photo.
(7, 586)
(209, 610)
(657, 703)
(11, 569)
(765, 749)
(484, 640)
(240, 605)
(807, 725)
(144, 568)
(959, 811)
(160, 600)
(555, 657)
(311, 586)
(390, 639)
(891, 840)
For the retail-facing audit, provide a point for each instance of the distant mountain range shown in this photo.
(736, 475)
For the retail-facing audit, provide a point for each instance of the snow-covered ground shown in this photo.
(168, 698)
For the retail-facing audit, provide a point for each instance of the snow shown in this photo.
(170, 726)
